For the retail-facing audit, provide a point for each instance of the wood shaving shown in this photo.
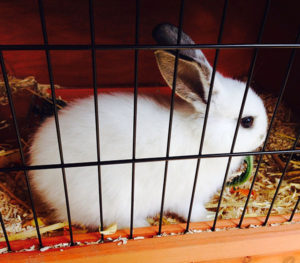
(111, 229)
(122, 239)
(138, 238)
(45, 248)
(3, 250)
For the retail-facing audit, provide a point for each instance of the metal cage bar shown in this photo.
(171, 115)
(17, 130)
(206, 113)
(5, 233)
(280, 181)
(50, 72)
(281, 93)
(136, 47)
(294, 210)
(135, 97)
(250, 74)
(145, 46)
(94, 69)
(142, 160)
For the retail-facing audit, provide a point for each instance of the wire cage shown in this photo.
(137, 48)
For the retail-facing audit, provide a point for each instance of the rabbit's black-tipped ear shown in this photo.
(192, 82)
(166, 34)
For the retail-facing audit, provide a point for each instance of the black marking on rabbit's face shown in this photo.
(167, 34)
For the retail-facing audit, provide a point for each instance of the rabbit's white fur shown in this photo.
(77, 123)
(78, 133)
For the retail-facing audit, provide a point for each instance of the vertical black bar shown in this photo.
(136, 55)
(206, 113)
(250, 74)
(294, 210)
(289, 67)
(171, 115)
(16, 126)
(94, 67)
(280, 180)
(4, 233)
(50, 72)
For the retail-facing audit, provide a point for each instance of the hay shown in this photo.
(28, 83)
(14, 202)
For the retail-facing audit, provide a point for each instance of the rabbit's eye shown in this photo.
(247, 122)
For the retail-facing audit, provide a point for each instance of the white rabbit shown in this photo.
(77, 125)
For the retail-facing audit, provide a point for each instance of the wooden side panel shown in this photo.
(149, 232)
(289, 257)
(259, 244)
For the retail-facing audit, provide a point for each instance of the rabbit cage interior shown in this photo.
(120, 26)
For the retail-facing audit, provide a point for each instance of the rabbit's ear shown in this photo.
(192, 82)
(167, 34)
